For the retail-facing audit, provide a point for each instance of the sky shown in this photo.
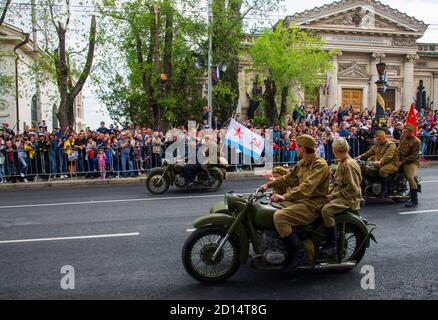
(425, 10)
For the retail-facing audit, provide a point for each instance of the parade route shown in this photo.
(126, 244)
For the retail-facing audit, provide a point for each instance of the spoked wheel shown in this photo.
(198, 251)
(157, 183)
(350, 243)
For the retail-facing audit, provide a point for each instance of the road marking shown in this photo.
(429, 181)
(420, 211)
(110, 201)
(115, 235)
(190, 230)
(106, 201)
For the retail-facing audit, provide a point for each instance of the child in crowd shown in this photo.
(101, 161)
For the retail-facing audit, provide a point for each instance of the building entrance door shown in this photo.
(389, 97)
(352, 97)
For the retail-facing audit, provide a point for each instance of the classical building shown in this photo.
(16, 63)
(365, 32)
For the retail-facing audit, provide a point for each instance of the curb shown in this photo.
(132, 181)
(94, 182)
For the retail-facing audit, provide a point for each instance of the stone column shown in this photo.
(375, 59)
(434, 96)
(333, 89)
(408, 79)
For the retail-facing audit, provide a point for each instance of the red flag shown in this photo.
(412, 119)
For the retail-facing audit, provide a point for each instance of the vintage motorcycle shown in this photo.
(398, 189)
(160, 179)
(221, 241)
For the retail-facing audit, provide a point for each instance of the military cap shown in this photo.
(280, 170)
(380, 134)
(306, 141)
(410, 127)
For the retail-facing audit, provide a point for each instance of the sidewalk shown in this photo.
(134, 181)
(72, 182)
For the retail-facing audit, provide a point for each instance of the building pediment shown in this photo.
(353, 70)
(358, 16)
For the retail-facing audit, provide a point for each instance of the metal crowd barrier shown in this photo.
(39, 165)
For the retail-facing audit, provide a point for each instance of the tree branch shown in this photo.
(5, 9)
(91, 46)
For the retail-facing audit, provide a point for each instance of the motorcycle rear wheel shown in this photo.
(154, 186)
(351, 250)
(198, 251)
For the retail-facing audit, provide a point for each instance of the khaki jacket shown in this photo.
(346, 187)
(409, 150)
(305, 181)
(386, 153)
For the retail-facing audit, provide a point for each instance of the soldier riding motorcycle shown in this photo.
(382, 177)
(187, 176)
(287, 231)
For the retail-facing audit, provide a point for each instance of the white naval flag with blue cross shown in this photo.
(247, 141)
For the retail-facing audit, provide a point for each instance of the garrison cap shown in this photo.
(410, 127)
(306, 141)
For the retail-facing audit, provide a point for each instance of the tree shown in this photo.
(288, 58)
(147, 71)
(68, 86)
(228, 26)
(5, 80)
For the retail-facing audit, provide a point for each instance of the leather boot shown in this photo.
(414, 199)
(330, 247)
(297, 255)
(384, 183)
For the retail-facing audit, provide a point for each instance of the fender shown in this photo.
(357, 221)
(219, 207)
(216, 170)
(168, 171)
(226, 221)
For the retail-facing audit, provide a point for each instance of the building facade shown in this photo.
(365, 32)
(22, 110)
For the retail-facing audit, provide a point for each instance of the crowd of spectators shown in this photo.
(118, 152)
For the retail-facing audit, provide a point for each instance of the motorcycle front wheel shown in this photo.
(198, 250)
(217, 181)
(157, 183)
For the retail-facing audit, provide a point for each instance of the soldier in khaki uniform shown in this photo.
(344, 194)
(409, 154)
(307, 186)
(385, 157)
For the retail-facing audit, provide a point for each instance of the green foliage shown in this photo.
(6, 84)
(127, 78)
(291, 57)
(223, 95)
(260, 121)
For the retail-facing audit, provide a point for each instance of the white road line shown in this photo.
(429, 181)
(115, 235)
(420, 211)
(105, 201)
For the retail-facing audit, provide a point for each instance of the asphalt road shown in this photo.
(138, 256)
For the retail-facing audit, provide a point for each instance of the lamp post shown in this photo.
(380, 105)
(210, 62)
